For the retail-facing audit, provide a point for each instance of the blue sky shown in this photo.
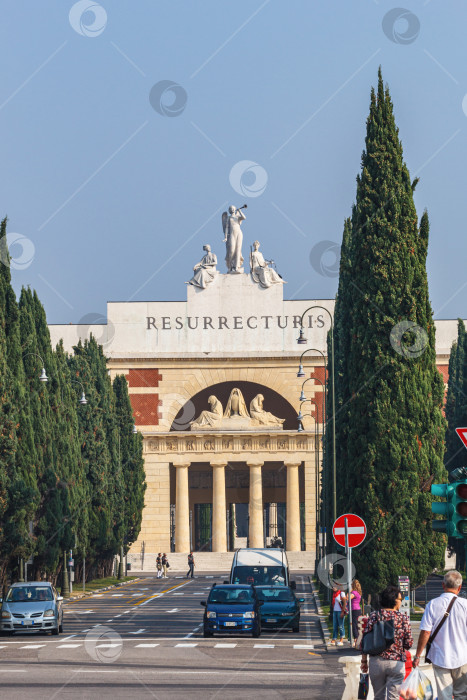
(110, 199)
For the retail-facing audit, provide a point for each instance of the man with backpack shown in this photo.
(443, 631)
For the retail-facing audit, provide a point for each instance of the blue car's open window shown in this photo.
(231, 596)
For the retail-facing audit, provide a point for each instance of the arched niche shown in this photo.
(273, 402)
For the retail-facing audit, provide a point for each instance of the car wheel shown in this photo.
(207, 633)
(296, 628)
(256, 631)
(55, 631)
(60, 627)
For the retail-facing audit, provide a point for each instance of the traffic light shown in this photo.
(455, 508)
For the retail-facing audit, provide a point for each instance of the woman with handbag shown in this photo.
(339, 601)
(355, 608)
(387, 668)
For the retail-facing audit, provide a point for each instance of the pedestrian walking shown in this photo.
(355, 608)
(191, 565)
(443, 631)
(387, 669)
(159, 565)
(165, 564)
(338, 605)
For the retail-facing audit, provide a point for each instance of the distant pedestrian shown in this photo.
(191, 565)
(445, 621)
(387, 670)
(165, 564)
(338, 606)
(355, 608)
(159, 565)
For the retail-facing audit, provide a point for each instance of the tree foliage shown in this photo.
(389, 393)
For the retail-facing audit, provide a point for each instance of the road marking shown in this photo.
(65, 639)
(3, 647)
(199, 593)
(33, 646)
(96, 670)
(159, 595)
(147, 646)
(82, 632)
(69, 646)
(178, 594)
(117, 595)
(119, 615)
(81, 612)
(111, 645)
(98, 595)
(135, 595)
(303, 646)
(110, 620)
(172, 611)
(186, 645)
(264, 646)
(224, 646)
(126, 612)
(13, 670)
(138, 632)
(193, 631)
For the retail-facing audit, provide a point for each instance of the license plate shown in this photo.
(27, 623)
(271, 619)
(230, 624)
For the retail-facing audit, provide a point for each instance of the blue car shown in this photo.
(280, 608)
(232, 609)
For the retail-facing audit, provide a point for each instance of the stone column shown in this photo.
(219, 525)
(255, 531)
(293, 508)
(182, 509)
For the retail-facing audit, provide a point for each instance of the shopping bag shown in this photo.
(363, 686)
(416, 686)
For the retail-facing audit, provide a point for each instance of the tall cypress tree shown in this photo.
(455, 455)
(131, 456)
(389, 393)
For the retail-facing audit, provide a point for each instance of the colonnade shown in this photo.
(219, 511)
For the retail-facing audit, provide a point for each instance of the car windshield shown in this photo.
(29, 594)
(231, 596)
(259, 575)
(275, 595)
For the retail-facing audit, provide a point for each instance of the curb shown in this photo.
(319, 610)
(100, 590)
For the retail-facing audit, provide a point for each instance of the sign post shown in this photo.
(404, 585)
(349, 531)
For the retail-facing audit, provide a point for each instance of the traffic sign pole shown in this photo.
(348, 550)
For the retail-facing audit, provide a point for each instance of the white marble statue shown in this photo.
(209, 418)
(205, 271)
(259, 414)
(236, 406)
(261, 273)
(233, 238)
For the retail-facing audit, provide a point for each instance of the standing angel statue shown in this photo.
(233, 238)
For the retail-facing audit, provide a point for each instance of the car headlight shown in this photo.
(210, 613)
(249, 615)
(49, 613)
(5, 615)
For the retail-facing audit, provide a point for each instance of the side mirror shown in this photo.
(293, 585)
(302, 600)
(203, 603)
(59, 598)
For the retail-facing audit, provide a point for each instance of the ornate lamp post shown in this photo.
(301, 340)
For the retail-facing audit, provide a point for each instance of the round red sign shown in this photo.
(356, 529)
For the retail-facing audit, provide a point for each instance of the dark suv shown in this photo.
(232, 609)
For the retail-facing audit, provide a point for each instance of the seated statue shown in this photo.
(209, 418)
(261, 273)
(259, 414)
(205, 271)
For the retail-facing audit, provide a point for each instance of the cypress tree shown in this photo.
(390, 427)
(455, 455)
(131, 455)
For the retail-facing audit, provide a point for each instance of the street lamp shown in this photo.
(43, 377)
(301, 340)
(82, 400)
(300, 372)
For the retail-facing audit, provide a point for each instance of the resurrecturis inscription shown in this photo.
(168, 323)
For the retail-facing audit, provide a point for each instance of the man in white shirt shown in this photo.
(448, 652)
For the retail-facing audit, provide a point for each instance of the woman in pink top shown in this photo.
(355, 606)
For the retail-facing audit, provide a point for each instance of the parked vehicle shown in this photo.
(280, 608)
(31, 607)
(232, 609)
(261, 567)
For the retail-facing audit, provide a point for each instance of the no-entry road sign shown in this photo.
(356, 529)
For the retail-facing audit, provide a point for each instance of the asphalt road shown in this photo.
(144, 640)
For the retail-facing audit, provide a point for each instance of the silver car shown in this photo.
(31, 607)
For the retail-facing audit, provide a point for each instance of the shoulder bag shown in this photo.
(380, 638)
(443, 620)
